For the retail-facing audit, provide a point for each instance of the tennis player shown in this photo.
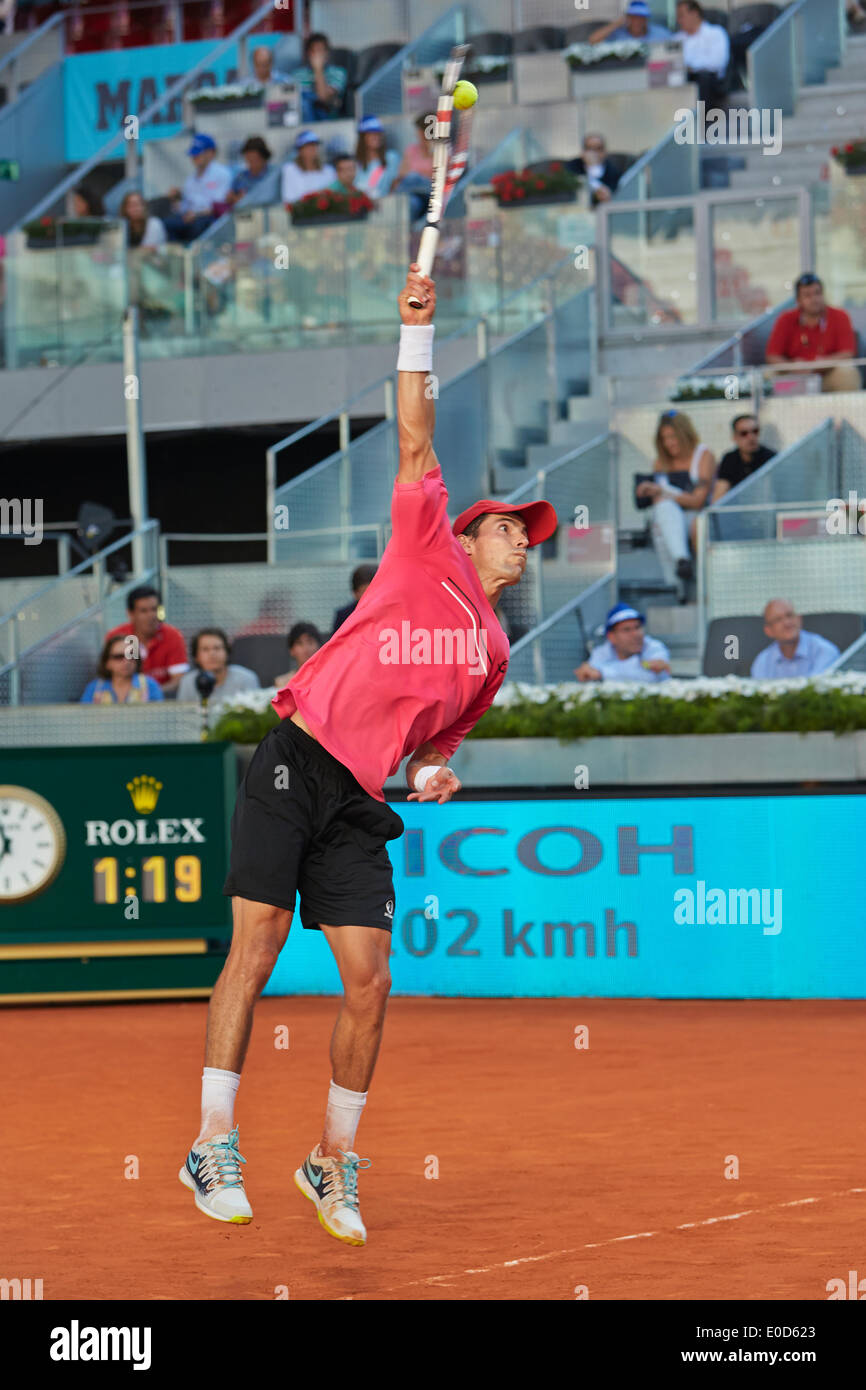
(411, 671)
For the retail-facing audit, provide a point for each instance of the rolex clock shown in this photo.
(32, 844)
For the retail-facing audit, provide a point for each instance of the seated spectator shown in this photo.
(637, 23)
(628, 654)
(377, 166)
(263, 67)
(792, 652)
(305, 173)
(362, 578)
(120, 680)
(141, 229)
(346, 169)
(744, 460)
(415, 173)
(322, 84)
(706, 52)
(303, 641)
(86, 203)
(162, 648)
(210, 650)
(811, 330)
(205, 193)
(683, 471)
(593, 165)
(256, 156)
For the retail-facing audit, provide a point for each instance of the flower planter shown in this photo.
(203, 108)
(54, 243)
(607, 64)
(331, 219)
(537, 200)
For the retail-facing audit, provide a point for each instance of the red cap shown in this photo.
(540, 517)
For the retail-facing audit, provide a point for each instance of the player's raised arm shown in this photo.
(416, 413)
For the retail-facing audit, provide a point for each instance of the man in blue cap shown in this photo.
(205, 193)
(628, 654)
(637, 23)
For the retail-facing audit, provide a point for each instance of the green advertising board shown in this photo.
(112, 862)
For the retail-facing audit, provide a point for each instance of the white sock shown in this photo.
(218, 1091)
(342, 1117)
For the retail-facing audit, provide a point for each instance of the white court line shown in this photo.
(613, 1240)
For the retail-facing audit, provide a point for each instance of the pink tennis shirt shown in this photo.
(419, 660)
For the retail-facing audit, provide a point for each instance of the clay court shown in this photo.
(558, 1167)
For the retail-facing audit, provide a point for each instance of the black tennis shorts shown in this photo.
(302, 823)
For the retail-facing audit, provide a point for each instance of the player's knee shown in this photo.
(368, 991)
(257, 941)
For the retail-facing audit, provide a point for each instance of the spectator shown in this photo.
(86, 203)
(814, 330)
(7, 16)
(792, 652)
(683, 475)
(362, 578)
(322, 84)
(142, 231)
(120, 680)
(210, 650)
(628, 654)
(706, 52)
(601, 176)
(744, 460)
(346, 169)
(305, 173)
(415, 173)
(303, 641)
(377, 167)
(162, 648)
(263, 67)
(256, 156)
(637, 23)
(205, 192)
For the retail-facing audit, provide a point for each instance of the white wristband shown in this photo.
(416, 347)
(423, 775)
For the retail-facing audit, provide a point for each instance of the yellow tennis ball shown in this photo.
(465, 95)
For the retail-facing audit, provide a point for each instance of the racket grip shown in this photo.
(426, 257)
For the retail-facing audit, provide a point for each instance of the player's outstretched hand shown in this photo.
(441, 788)
(420, 287)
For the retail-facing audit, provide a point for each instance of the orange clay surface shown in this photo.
(548, 1156)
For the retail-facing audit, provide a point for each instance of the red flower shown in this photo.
(520, 193)
(507, 197)
(355, 204)
(46, 221)
(835, 149)
(539, 183)
(321, 203)
(849, 149)
(556, 168)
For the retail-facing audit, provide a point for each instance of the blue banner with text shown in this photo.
(665, 897)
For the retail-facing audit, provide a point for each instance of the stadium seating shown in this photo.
(843, 629)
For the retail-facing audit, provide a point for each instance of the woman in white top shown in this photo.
(376, 165)
(678, 450)
(305, 173)
(141, 230)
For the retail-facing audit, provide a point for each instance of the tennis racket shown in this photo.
(449, 160)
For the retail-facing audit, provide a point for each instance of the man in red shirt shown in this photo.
(814, 331)
(410, 671)
(162, 648)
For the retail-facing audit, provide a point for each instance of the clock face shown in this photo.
(32, 844)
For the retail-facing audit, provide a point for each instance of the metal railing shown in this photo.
(807, 38)
(50, 597)
(671, 243)
(547, 653)
(382, 93)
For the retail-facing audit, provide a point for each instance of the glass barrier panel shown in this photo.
(653, 270)
(773, 69)
(755, 247)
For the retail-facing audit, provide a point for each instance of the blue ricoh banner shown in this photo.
(666, 897)
(99, 89)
